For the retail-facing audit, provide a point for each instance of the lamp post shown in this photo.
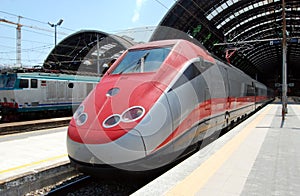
(284, 63)
(55, 25)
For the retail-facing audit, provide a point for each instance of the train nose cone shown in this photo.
(128, 148)
(118, 104)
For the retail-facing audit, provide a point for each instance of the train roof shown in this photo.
(153, 44)
(54, 76)
(159, 43)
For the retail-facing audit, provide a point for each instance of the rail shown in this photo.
(25, 126)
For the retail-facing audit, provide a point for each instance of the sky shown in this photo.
(111, 16)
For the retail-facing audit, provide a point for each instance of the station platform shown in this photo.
(260, 156)
(30, 152)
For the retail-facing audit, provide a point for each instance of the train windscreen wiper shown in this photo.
(140, 63)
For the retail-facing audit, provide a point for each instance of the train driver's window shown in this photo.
(10, 83)
(24, 83)
(33, 83)
(142, 60)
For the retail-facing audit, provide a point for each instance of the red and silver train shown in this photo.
(157, 100)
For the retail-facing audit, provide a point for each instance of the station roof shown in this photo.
(78, 52)
(256, 23)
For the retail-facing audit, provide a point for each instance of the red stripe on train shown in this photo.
(207, 109)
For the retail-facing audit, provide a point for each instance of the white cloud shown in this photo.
(138, 6)
(136, 16)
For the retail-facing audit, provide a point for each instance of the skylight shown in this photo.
(214, 12)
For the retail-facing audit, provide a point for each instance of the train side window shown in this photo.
(71, 85)
(24, 83)
(190, 73)
(10, 83)
(250, 90)
(2, 82)
(33, 83)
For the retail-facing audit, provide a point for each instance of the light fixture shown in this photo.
(55, 25)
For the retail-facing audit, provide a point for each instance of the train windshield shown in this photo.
(7, 81)
(140, 61)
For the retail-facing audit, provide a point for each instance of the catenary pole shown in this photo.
(284, 62)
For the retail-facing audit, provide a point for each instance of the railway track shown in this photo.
(38, 183)
(70, 186)
(86, 186)
(83, 185)
(25, 126)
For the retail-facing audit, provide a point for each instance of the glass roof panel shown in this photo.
(224, 6)
(265, 14)
(249, 8)
(214, 12)
(229, 2)
(249, 29)
(209, 17)
(219, 9)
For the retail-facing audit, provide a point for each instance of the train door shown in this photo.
(61, 90)
(24, 96)
(224, 73)
(217, 81)
(69, 91)
(35, 93)
(254, 94)
(51, 91)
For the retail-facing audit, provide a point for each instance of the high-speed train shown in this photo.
(157, 100)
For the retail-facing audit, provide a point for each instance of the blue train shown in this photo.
(25, 94)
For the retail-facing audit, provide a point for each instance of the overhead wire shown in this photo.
(37, 50)
(37, 30)
(34, 20)
(163, 5)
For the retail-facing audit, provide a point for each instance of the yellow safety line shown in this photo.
(33, 163)
(196, 180)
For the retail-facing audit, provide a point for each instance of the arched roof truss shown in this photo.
(253, 27)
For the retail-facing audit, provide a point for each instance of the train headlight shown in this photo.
(79, 111)
(81, 119)
(111, 121)
(79, 116)
(132, 114)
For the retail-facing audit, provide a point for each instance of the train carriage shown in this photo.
(26, 93)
